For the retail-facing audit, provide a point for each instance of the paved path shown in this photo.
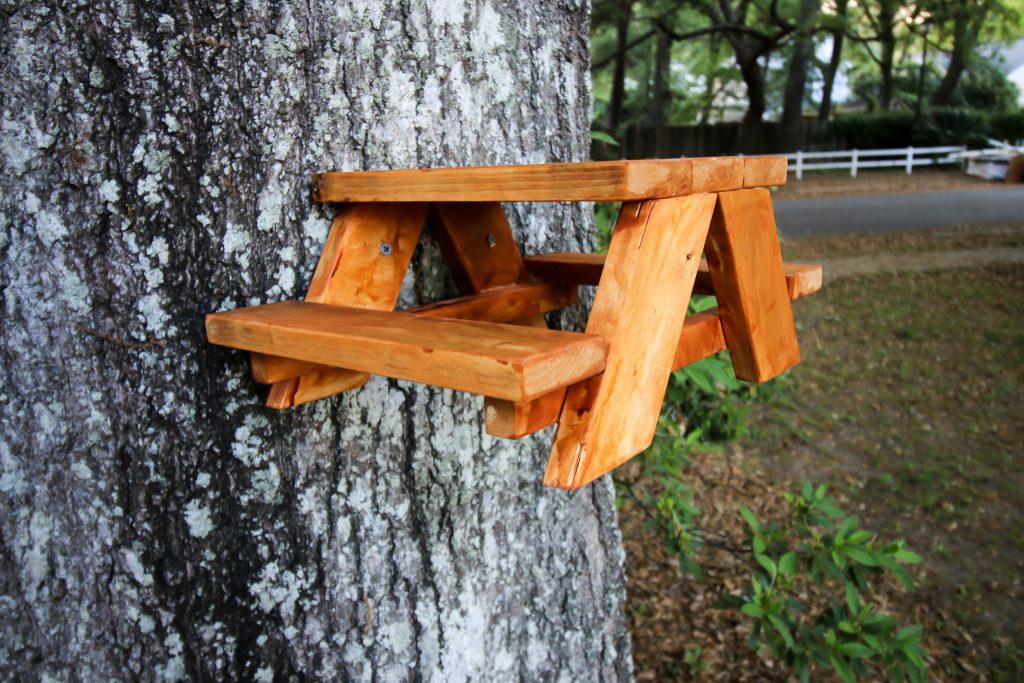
(891, 212)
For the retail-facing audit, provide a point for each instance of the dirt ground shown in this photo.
(881, 181)
(909, 404)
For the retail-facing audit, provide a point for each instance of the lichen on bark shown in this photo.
(157, 520)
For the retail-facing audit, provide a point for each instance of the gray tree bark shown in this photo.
(157, 521)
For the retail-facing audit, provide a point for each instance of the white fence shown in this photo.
(854, 159)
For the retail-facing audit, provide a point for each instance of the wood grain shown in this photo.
(477, 242)
(506, 361)
(585, 269)
(639, 309)
(602, 181)
(750, 285)
(353, 270)
(508, 304)
(764, 171)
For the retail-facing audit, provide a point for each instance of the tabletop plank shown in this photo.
(599, 181)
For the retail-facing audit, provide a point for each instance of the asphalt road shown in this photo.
(891, 212)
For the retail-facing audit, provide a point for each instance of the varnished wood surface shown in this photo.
(508, 304)
(750, 285)
(585, 269)
(640, 306)
(603, 181)
(353, 270)
(506, 361)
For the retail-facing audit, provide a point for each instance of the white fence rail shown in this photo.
(854, 159)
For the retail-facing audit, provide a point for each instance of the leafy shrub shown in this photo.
(819, 544)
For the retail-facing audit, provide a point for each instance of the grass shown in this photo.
(909, 405)
(910, 400)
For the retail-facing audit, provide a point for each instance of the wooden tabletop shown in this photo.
(598, 181)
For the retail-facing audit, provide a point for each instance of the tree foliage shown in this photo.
(662, 62)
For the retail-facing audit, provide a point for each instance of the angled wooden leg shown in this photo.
(750, 285)
(362, 265)
(478, 244)
(639, 309)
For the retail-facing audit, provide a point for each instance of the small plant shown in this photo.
(693, 659)
(818, 544)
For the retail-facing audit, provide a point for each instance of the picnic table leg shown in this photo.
(478, 244)
(640, 305)
(363, 264)
(747, 275)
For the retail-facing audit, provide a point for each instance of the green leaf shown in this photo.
(909, 633)
(861, 556)
(913, 653)
(847, 627)
(904, 556)
(841, 667)
(783, 630)
(848, 525)
(856, 650)
(759, 545)
(750, 519)
(603, 137)
(820, 493)
(752, 610)
(852, 598)
(768, 565)
(787, 564)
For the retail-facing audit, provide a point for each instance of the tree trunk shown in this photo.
(791, 129)
(749, 135)
(618, 97)
(660, 94)
(157, 520)
(963, 43)
(830, 71)
(887, 47)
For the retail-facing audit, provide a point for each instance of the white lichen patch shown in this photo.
(197, 516)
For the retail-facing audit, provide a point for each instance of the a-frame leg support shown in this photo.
(363, 263)
(639, 309)
(477, 242)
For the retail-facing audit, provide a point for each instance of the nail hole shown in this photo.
(490, 240)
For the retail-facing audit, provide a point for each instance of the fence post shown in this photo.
(910, 160)
(853, 164)
(799, 165)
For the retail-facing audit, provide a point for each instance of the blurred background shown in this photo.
(887, 463)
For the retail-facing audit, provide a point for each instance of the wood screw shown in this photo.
(385, 248)
(490, 240)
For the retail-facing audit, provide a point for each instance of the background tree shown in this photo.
(157, 521)
(792, 124)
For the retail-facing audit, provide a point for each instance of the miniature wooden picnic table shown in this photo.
(603, 387)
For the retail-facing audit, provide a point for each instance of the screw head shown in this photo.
(385, 248)
(490, 240)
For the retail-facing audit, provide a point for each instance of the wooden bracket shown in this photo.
(604, 387)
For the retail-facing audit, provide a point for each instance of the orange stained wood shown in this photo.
(639, 309)
(749, 282)
(585, 269)
(506, 361)
(508, 304)
(477, 242)
(603, 181)
(363, 264)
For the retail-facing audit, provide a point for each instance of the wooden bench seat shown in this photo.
(585, 269)
(510, 362)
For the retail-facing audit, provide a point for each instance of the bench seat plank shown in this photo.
(585, 269)
(505, 361)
